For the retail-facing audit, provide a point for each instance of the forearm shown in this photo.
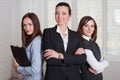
(64, 58)
(31, 70)
(96, 65)
(74, 58)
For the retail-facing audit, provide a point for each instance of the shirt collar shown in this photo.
(86, 37)
(58, 30)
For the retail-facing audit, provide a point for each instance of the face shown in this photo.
(28, 26)
(88, 28)
(62, 15)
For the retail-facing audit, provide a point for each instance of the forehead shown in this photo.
(90, 22)
(62, 8)
(27, 20)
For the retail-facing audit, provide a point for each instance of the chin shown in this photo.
(29, 33)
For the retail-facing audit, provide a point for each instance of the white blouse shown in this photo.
(99, 66)
(65, 39)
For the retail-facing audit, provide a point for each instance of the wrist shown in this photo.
(60, 56)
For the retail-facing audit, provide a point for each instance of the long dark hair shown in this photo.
(26, 39)
(84, 21)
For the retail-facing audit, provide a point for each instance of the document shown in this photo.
(19, 53)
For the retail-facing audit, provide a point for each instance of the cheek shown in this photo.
(56, 17)
(84, 30)
(25, 29)
(32, 30)
(68, 18)
(93, 30)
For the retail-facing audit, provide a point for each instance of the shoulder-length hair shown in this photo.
(84, 21)
(26, 39)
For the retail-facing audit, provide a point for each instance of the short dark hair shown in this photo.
(64, 4)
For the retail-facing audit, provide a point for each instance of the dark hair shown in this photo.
(64, 4)
(26, 39)
(84, 21)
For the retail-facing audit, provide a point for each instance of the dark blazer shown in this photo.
(86, 74)
(67, 69)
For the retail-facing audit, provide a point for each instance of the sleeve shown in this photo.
(36, 60)
(46, 42)
(69, 58)
(96, 65)
(74, 58)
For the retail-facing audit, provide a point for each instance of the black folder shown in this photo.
(20, 55)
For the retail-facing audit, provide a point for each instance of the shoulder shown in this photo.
(36, 40)
(73, 33)
(96, 44)
(50, 29)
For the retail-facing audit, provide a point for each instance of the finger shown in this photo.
(48, 57)
(48, 50)
(47, 54)
(91, 70)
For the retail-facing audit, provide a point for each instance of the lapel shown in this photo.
(69, 40)
(57, 39)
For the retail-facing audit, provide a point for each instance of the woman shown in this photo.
(59, 46)
(31, 40)
(87, 29)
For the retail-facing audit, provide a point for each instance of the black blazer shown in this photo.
(67, 69)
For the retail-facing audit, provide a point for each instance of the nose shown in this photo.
(89, 27)
(26, 27)
(59, 15)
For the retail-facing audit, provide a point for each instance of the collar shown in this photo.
(58, 30)
(86, 37)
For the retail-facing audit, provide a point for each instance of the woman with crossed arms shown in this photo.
(59, 46)
(95, 64)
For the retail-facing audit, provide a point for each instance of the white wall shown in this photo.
(113, 71)
(5, 39)
(9, 34)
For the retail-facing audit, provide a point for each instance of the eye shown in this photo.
(30, 24)
(92, 25)
(24, 25)
(85, 25)
(64, 13)
(56, 13)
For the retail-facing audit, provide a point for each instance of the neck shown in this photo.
(63, 28)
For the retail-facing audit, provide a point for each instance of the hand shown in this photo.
(92, 71)
(102, 58)
(80, 51)
(49, 53)
(15, 65)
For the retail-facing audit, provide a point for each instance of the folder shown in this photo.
(19, 53)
